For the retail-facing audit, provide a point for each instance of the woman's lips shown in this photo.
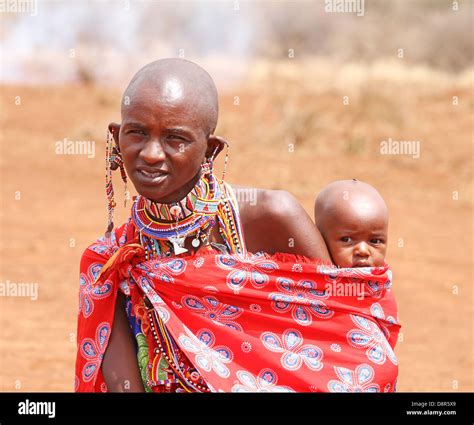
(152, 177)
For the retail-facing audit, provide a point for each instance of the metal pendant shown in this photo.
(195, 243)
(220, 247)
(178, 245)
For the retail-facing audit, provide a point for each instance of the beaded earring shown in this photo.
(226, 159)
(109, 187)
(116, 161)
(113, 160)
(208, 165)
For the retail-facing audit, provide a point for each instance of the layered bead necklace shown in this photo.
(163, 228)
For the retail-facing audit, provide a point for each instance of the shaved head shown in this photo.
(169, 115)
(353, 220)
(361, 198)
(173, 81)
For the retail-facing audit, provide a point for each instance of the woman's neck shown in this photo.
(180, 193)
(184, 198)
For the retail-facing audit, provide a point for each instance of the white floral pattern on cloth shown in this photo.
(164, 270)
(255, 308)
(198, 262)
(88, 293)
(331, 274)
(369, 335)
(124, 286)
(211, 288)
(294, 352)
(246, 347)
(212, 308)
(376, 287)
(357, 381)
(252, 268)
(93, 351)
(106, 247)
(297, 268)
(207, 356)
(158, 304)
(265, 382)
(303, 299)
(377, 311)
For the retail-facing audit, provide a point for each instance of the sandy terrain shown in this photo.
(62, 205)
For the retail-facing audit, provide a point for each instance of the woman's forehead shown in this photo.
(149, 106)
(166, 90)
(171, 92)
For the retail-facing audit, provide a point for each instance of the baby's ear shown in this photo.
(114, 128)
(214, 145)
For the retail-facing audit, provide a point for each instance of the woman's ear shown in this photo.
(214, 146)
(114, 128)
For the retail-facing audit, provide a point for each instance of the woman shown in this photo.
(166, 145)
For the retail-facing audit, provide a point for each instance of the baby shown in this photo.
(353, 220)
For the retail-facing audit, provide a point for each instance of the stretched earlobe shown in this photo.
(114, 129)
(215, 144)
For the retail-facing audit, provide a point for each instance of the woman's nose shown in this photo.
(152, 152)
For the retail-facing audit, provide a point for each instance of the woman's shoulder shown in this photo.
(274, 221)
(257, 203)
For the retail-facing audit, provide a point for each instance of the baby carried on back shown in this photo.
(256, 322)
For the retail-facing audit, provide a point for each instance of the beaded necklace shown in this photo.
(163, 228)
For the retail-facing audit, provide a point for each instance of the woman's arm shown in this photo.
(120, 365)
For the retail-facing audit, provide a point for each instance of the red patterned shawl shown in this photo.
(247, 323)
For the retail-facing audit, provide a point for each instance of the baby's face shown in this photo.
(357, 238)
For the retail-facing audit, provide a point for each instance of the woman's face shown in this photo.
(163, 142)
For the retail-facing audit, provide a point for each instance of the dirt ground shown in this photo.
(283, 136)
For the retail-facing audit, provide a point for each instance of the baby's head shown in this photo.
(353, 220)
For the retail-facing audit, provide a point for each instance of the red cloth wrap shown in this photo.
(255, 323)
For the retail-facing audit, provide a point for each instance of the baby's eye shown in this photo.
(345, 239)
(376, 241)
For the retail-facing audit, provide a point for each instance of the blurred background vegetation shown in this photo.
(104, 40)
(306, 97)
